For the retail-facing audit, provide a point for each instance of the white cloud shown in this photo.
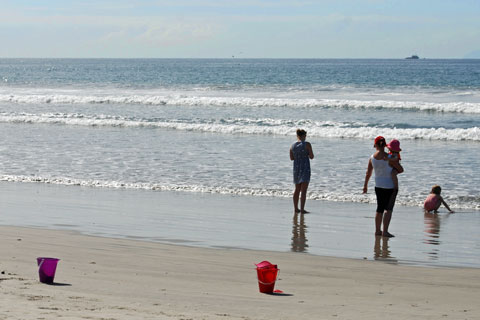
(176, 33)
(166, 33)
(160, 33)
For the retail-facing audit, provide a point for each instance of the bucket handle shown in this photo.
(40, 265)
(269, 283)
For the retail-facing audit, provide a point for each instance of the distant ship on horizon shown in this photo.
(413, 57)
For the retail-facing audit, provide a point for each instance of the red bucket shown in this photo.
(267, 275)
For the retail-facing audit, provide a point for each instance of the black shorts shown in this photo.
(385, 199)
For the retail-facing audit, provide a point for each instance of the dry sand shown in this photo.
(103, 278)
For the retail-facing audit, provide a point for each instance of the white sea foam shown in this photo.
(324, 129)
(415, 200)
(185, 100)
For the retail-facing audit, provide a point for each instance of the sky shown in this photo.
(240, 28)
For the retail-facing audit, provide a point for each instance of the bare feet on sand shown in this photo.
(387, 234)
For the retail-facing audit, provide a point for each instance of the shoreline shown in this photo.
(332, 229)
(105, 278)
(179, 243)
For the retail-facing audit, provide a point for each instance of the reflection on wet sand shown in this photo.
(381, 250)
(299, 230)
(432, 233)
(432, 228)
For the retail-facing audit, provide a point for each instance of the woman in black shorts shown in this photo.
(384, 188)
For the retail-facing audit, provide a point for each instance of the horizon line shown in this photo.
(237, 58)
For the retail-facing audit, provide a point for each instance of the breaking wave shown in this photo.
(461, 202)
(323, 129)
(183, 100)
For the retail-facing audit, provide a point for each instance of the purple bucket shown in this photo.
(46, 269)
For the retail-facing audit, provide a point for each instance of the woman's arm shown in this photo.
(291, 155)
(368, 175)
(310, 151)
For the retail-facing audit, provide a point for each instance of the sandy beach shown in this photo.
(104, 278)
(136, 254)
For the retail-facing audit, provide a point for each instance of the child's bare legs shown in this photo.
(437, 205)
(303, 198)
(395, 179)
(300, 188)
(296, 196)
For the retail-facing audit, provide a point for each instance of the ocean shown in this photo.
(225, 126)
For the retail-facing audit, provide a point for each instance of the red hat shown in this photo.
(394, 145)
(378, 139)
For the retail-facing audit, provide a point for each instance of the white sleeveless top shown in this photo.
(383, 174)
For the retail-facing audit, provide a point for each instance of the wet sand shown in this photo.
(245, 222)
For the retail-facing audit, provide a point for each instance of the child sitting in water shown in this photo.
(434, 200)
(394, 156)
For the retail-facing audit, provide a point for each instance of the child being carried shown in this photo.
(394, 156)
